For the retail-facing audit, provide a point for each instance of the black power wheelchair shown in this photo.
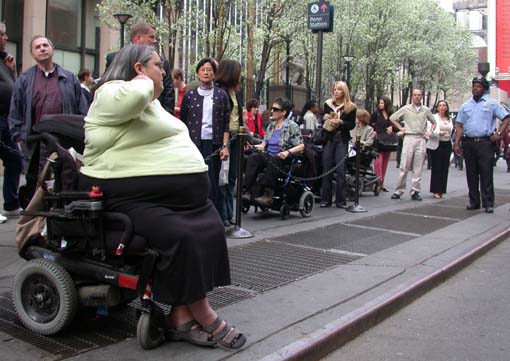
(291, 193)
(78, 254)
(368, 180)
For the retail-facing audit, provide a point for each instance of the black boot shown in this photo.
(267, 199)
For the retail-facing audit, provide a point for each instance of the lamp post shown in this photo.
(348, 59)
(123, 19)
(287, 70)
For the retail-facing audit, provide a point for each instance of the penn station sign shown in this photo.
(320, 16)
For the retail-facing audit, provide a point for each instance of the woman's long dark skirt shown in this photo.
(175, 216)
(440, 166)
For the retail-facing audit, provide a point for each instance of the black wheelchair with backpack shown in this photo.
(291, 192)
(78, 254)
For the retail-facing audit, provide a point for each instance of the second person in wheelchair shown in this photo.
(282, 141)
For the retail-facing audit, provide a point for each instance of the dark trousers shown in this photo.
(206, 148)
(479, 157)
(440, 159)
(259, 162)
(12, 161)
(226, 192)
(334, 153)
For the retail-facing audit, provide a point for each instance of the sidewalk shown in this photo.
(304, 284)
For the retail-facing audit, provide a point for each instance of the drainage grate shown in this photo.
(459, 213)
(84, 335)
(89, 333)
(347, 238)
(265, 265)
(404, 223)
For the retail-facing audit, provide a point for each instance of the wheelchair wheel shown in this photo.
(148, 333)
(45, 296)
(306, 203)
(245, 206)
(284, 211)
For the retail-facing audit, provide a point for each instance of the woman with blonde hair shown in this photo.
(339, 119)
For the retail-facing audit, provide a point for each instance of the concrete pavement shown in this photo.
(419, 246)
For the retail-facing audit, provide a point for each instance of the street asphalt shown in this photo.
(380, 261)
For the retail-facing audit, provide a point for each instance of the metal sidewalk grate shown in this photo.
(88, 332)
(264, 265)
(344, 237)
(459, 213)
(417, 224)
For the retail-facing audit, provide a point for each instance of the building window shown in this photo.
(72, 26)
(64, 23)
(12, 15)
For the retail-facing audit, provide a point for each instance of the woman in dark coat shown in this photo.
(206, 112)
(339, 111)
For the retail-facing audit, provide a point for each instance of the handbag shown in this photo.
(329, 126)
(387, 142)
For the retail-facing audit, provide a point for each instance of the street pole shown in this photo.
(319, 66)
(122, 19)
(238, 232)
(287, 70)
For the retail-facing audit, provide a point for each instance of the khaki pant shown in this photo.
(413, 156)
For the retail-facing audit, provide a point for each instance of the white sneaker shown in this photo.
(14, 213)
(3, 219)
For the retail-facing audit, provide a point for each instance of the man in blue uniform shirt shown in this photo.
(477, 129)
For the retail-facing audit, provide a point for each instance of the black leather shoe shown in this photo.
(226, 223)
(341, 205)
(489, 210)
(325, 205)
(395, 196)
(416, 196)
(469, 207)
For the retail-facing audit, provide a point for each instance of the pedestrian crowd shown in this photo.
(141, 109)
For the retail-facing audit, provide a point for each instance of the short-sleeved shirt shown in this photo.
(415, 119)
(479, 118)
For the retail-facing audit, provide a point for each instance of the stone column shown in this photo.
(34, 23)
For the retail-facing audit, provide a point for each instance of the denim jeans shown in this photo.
(226, 192)
(334, 153)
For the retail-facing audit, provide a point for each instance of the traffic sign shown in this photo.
(320, 16)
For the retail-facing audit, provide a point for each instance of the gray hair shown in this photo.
(40, 37)
(3, 28)
(123, 64)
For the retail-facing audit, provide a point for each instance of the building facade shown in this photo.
(72, 26)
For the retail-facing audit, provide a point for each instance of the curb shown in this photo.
(337, 333)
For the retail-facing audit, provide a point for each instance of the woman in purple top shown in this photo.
(282, 140)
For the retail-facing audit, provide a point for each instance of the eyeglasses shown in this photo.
(275, 109)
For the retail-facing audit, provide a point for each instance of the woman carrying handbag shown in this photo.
(387, 139)
(339, 119)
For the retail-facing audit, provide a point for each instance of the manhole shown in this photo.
(344, 237)
(417, 224)
(265, 265)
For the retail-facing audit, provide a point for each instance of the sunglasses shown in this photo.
(275, 109)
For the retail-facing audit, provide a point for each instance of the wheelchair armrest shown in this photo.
(127, 233)
(49, 140)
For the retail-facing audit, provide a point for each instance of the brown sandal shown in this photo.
(190, 332)
(228, 337)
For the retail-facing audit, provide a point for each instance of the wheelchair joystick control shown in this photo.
(95, 192)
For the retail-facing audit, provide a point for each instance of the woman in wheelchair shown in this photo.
(148, 168)
(282, 141)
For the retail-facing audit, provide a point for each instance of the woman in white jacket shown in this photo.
(440, 145)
